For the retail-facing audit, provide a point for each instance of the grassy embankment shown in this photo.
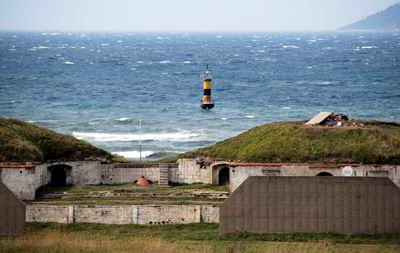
(24, 142)
(293, 142)
(50, 237)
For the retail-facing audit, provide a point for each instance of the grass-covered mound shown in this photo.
(294, 142)
(22, 142)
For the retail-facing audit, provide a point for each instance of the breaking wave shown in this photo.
(110, 137)
(124, 119)
(133, 154)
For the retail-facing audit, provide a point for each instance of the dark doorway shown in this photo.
(223, 176)
(59, 175)
(324, 174)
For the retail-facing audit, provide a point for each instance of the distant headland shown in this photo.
(386, 20)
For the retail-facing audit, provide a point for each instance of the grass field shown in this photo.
(50, 237)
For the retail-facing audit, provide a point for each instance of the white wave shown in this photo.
(286, 108)
(93, 123)
(250, 116)
(187, 62)
(41, 47)
(164, 62)
(368, 47)
(110, 137)
(124, 119)
(224, 118)
(289, 46)
(133, 154)
(69, 63)
(105, 44)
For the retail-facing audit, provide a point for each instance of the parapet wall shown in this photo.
(346, 205)
(239, 172)
(126, 214)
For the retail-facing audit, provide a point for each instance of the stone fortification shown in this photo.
(124, 214)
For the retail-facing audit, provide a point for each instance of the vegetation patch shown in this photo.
(293, 142)
(25, 142)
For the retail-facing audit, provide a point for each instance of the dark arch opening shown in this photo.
(60, 175)
(324, 174)
(223, 176)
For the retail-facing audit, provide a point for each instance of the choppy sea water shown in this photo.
(97, 86)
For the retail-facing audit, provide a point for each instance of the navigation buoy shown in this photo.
(206, 102)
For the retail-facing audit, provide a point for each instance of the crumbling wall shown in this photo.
(194, 171)
(124, 214)
(39, 213)
(103, 214)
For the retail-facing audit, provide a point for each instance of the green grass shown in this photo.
(209, 232)
(200, 237)
(293, 142)
(22, 142)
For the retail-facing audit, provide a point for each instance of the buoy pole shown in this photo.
(140, 140)
(206, 102)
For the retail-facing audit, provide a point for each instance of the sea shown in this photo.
(98, 87)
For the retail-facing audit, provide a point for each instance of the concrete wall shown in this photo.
(126, 173)
(240, 172)
(25, 180)
(347, 205)
(190, 171)
(12, 212)
(127, 214)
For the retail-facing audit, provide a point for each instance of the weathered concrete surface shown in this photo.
(24, 181)
(190, 171)
(12, 212)
(239, 172)
(347, 205)
(124, 214)
(58, 214)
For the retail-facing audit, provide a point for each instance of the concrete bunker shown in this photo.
(220, 174)
(60, 175)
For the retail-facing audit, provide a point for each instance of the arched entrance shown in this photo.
(60, 175)
(223, 176)
(324, 174)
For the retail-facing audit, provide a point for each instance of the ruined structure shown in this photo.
(346, 205)
(24, 179)
(12, 212)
